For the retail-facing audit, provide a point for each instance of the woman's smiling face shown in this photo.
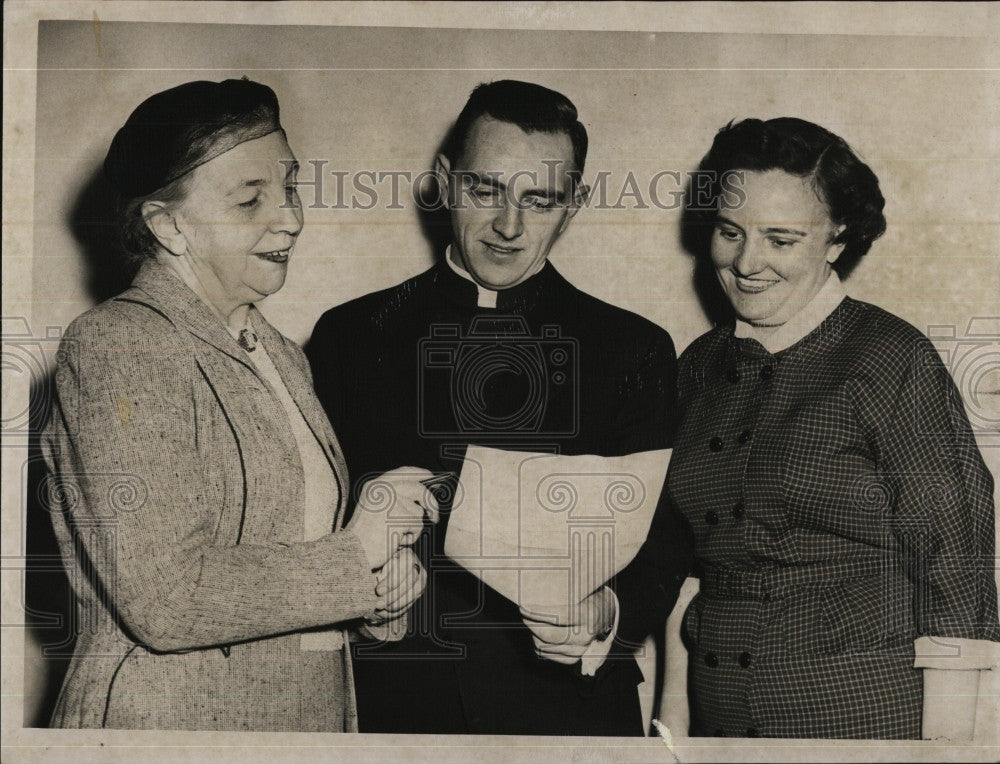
(239, 220)
(773, 254)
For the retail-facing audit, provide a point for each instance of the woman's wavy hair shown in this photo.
(845, 184)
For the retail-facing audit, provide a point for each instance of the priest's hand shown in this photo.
(564, 638)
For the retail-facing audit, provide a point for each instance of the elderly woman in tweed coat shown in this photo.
(843, 514)
(200, 488)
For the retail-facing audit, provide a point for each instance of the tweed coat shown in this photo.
(409, 375)
(841, 509)
(178, 503)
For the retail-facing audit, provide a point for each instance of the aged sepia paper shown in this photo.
(367, 92)
(579, 521)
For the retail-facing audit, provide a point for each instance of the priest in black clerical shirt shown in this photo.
(492, 346)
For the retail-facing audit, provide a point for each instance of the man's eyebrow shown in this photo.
(492, 181)
(478, 179)
(556, 196)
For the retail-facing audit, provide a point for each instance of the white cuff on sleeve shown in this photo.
(597, 651)
(953, 653)
(328, 639)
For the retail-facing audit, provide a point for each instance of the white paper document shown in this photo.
(545, 530)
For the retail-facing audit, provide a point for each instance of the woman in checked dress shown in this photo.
(843, 514)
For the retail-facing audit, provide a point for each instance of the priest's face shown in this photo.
(510, 196)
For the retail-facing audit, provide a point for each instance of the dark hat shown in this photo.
(171, 133)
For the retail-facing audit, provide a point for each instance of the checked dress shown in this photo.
(841, 509)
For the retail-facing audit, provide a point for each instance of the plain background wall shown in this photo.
(382, 99)
(920, 110)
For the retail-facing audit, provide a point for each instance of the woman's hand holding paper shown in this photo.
(398, 585)
(390, 512)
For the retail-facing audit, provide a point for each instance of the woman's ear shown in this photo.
(161, 222)
(835, 248)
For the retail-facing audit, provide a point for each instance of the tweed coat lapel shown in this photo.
(272, 475)
(173, 298)
(184, 308)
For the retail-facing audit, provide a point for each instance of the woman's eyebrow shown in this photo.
(769, 230)
(244, 184)
(291, 169)
(726, 221)
(791, 231)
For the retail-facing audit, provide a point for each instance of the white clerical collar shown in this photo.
(487, 297)
(815, 312)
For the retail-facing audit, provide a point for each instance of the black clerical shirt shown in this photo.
(412, 375)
